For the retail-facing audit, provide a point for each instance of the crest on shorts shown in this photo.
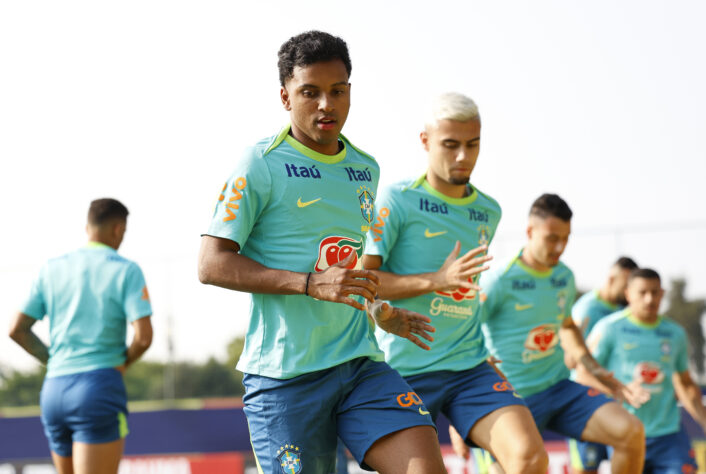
(289, 457)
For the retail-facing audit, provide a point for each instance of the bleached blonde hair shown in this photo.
(452, 106)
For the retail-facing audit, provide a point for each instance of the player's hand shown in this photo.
(459, 445)
(494, 362)
(458, 272)
(121, 368)
(401, 322)
(337, 283)
(635, 394)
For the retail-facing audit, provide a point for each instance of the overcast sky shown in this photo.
(152, 102)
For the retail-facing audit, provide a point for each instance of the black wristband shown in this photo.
(306, 289)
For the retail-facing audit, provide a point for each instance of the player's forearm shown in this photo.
(690, 397)
(231, 270)
(573, 344)
(32, 344)
(136, 349)
(397, 287)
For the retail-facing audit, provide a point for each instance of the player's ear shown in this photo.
(424, 137)
(284, 96)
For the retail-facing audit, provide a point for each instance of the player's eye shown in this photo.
(308, 93)
(450, 145)
(338, 92)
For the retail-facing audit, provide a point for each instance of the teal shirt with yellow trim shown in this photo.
(415, 229)
(291, 208)
(650, 353)
(589, 309)
(523, 312)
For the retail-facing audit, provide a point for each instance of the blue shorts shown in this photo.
(464, 397)
(669, 454)
(565, 407)
(87, 407)
(587, 456)
(294, 422)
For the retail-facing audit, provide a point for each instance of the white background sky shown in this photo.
(151, 102)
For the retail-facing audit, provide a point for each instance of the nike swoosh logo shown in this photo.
(423, 412)
(308, 203)
(628, 346)
(428, 234)
(522, 307)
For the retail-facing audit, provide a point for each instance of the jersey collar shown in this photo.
(284, 136)
(472, 196)
(642, 324)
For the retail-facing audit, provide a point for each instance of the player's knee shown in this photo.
(632, 433)
(534, 462)
(529, 457)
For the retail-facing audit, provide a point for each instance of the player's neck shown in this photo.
(447, 189)
(603, 294)
(645, 318)
(533, 263)
(331, 149)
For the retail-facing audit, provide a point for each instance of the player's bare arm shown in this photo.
(689, 395)
(141, 341)
(21, 332)
(220, 264)
(590, 371)
(402, 322)
(456, 272)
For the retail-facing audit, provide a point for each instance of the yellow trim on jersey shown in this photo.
(642, 324)
(284, 136)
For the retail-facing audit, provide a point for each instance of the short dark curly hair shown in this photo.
(309, 48)
(552, 205)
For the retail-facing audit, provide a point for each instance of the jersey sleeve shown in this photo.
(136, 298)
(682, 356)
(491, 294)
(35, 306)
(385, 230)
(600, 342)
(242, 199)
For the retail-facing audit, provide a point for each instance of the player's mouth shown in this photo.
(326, 123)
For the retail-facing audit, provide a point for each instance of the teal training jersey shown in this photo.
(89, 296)
(589, 309)
(651, 353)
(291, 208)
(415, 230)
(523, 310)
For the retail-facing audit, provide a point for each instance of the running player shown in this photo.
(586, 312)
(290, 228)
(645, 348)
(526, 312)
(422, 228)
(89, 295)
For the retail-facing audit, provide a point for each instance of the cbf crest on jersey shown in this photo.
(483, 234)
(289, 457)
(367, 206)
(561, 298)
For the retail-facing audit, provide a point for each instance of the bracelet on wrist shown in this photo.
(306, 288)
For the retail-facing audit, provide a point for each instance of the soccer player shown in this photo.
(644, 348)
(586, 312)
(526, 312)
(428, 246)
(89, 295)
(290, 228)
